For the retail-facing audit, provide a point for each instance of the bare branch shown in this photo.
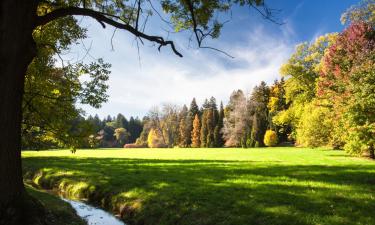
(218, 50)
(103, 19)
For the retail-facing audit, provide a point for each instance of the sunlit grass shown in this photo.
(214, 186)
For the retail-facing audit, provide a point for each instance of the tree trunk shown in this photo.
(17, 49)
(371, 151)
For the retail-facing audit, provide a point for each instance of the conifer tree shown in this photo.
(204, 129)
(210, 128)
(184, 131)
(195, 135)
(194, 109)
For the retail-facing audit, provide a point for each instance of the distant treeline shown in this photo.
(243, 122)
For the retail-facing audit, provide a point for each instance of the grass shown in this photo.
(58, 212)
(214, 186)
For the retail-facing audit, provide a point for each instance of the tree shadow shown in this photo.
(219, 191)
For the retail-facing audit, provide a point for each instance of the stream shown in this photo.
(93, 215)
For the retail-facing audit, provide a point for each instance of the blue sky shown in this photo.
(150, 78)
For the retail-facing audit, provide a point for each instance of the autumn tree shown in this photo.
(301, 74)
(184, 129)
(236, 120)
(276, 104)
(195, 134)
(204, 129)
(121, 135)
(348, 85)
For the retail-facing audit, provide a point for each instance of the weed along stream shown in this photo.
(93, 215)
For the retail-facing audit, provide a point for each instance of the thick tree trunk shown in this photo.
(17, 49)
(372, 151)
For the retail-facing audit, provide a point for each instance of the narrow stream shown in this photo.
(93, 216)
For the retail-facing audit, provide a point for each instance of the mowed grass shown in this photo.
(214, 186)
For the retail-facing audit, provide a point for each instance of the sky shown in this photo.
(144, 78)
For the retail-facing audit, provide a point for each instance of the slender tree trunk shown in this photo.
(17, 49)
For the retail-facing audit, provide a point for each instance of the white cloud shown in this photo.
(164, 77)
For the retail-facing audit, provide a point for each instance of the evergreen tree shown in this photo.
(119, 121)
(212, 103)
(259, 100)
(210, 142)
(204, 129)
(194, 109)
(195, 135)
(206, 105)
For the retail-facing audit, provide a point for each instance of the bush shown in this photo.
(270, 138)
(134, 145)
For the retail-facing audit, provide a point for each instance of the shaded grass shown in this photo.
(58, 212)
(214, 186)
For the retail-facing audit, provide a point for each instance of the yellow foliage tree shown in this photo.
(270, 138)
(154, 140)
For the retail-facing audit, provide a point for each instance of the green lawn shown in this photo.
(214, 186)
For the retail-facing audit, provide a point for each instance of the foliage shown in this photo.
(301, 73)
(315, 126)
(277, 106)
(257, 107)
(122, 135)
(51, 92)
(364, 11)
(270, 138)
(155, 139)
(348, 84)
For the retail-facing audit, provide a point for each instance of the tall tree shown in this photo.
(301, 73)
(195, 135)
(210, 125)
(259, 101)
(236, 119)
(276, 104)
(184, 130)
(218, 138)
(348, 85)
(194, 108)
(204, 128)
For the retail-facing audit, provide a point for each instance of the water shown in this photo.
(92, 215)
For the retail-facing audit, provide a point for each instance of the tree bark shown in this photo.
(372, 151)
(17, 50)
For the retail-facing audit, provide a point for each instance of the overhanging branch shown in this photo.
(103, 19)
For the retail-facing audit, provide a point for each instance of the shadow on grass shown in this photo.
(219, 191)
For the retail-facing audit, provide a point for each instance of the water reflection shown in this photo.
(93, 216)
